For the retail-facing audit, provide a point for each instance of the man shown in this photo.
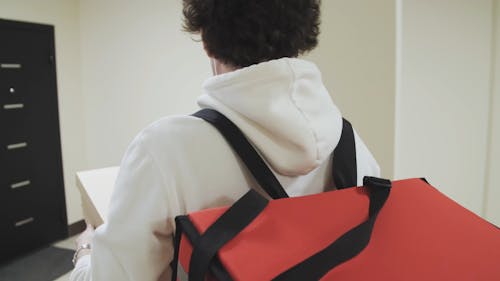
(181, 164)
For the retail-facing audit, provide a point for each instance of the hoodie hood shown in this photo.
(284, 110)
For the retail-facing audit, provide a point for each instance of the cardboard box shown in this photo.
(96, 187)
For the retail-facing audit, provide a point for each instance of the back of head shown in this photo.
(240, 33)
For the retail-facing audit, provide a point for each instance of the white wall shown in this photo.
(137, 66)
(492, 195)
(442, 102)
(356, 54)
(63, 14)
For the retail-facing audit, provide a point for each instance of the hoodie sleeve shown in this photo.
(135, 243)
(367, 165)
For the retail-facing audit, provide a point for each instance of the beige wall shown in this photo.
(492, 195)
(137, 66)
(64, 15)
(442, 107)
(357, 57)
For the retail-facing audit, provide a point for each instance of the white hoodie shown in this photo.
(182, 164)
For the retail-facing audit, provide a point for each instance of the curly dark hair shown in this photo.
(245, 32)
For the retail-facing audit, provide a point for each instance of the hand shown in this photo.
(86, 236)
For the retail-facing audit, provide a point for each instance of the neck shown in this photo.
(220, 68)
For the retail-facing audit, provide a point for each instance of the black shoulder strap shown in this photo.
(344, 165)
(245, 150)
(344, 155)
(345, 174)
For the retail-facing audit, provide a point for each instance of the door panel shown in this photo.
(32, 204)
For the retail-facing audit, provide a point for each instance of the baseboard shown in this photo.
(76, 228)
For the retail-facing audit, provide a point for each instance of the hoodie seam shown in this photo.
(302, 112)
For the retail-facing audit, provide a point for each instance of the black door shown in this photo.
(32, 202)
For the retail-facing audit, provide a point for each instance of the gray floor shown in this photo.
(68, 244)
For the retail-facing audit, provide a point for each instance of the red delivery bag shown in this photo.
(401, 230)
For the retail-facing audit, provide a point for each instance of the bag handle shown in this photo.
(346, 246)
(313, 268)
(223, 230)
